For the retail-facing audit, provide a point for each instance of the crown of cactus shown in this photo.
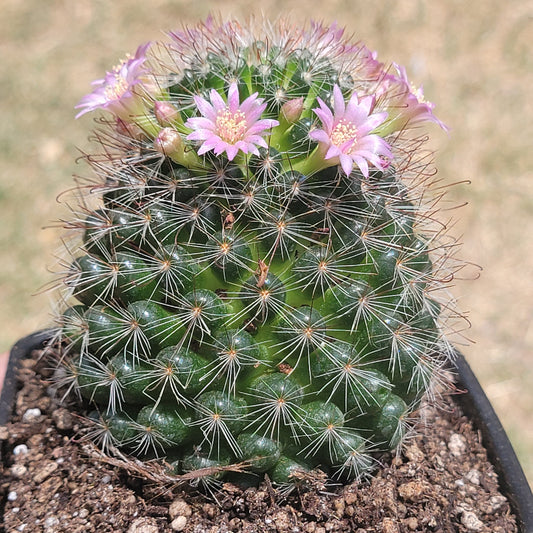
(257, 271)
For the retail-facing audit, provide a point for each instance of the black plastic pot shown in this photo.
(19, 351)
(474, 403)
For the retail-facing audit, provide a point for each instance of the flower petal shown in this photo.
(346, 163)
(205, 108)
(233, 97)
(333, 151)
(326, 117)
(200, 123)
(363, 165)
(250, 103)
(319, 135)
(216, 100)
(338, 101)
(231, 150)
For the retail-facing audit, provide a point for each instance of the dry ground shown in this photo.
(472, 57)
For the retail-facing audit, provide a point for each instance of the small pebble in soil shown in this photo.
(18, 470)
(11, 496)
(31, 414)
(20, 449)
(457, 445)
(51, 521)
(179, 523)
(178, 508)
(389, 526)
(471, 521)
(412, 523)
(63, 419)
(45, 471)
(474, 476)
(412, 490)
(496, 502)
(144, 525)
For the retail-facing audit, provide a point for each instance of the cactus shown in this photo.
(255, 272)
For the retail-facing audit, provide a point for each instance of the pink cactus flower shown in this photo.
(406, 103)
(116, 92)
(346, 136)
(418, 108)
(230, 127)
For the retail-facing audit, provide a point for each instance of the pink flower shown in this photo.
(116, 91)
(418, 108)
(230, 127)
(406, 103)
(346, 133)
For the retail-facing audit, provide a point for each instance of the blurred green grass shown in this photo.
(474, 61)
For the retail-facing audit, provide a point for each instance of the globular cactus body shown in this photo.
(256, 274)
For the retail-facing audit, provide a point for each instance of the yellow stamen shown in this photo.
(117, 90)
(231, 127)
(343, 132)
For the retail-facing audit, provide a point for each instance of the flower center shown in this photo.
(344, 131)
(116, 90)
(231, 127)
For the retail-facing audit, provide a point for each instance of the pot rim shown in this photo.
(472, 399)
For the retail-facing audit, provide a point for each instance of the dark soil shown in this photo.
(51, 481)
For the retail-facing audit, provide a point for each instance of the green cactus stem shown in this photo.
(259, 278)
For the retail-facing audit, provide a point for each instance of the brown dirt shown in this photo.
(52, 482)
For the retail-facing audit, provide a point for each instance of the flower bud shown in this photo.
(292, 109)
(165, 113)
(168, 141)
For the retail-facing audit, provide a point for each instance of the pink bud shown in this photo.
(168, 141)
(292, 109)
(165, 113)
